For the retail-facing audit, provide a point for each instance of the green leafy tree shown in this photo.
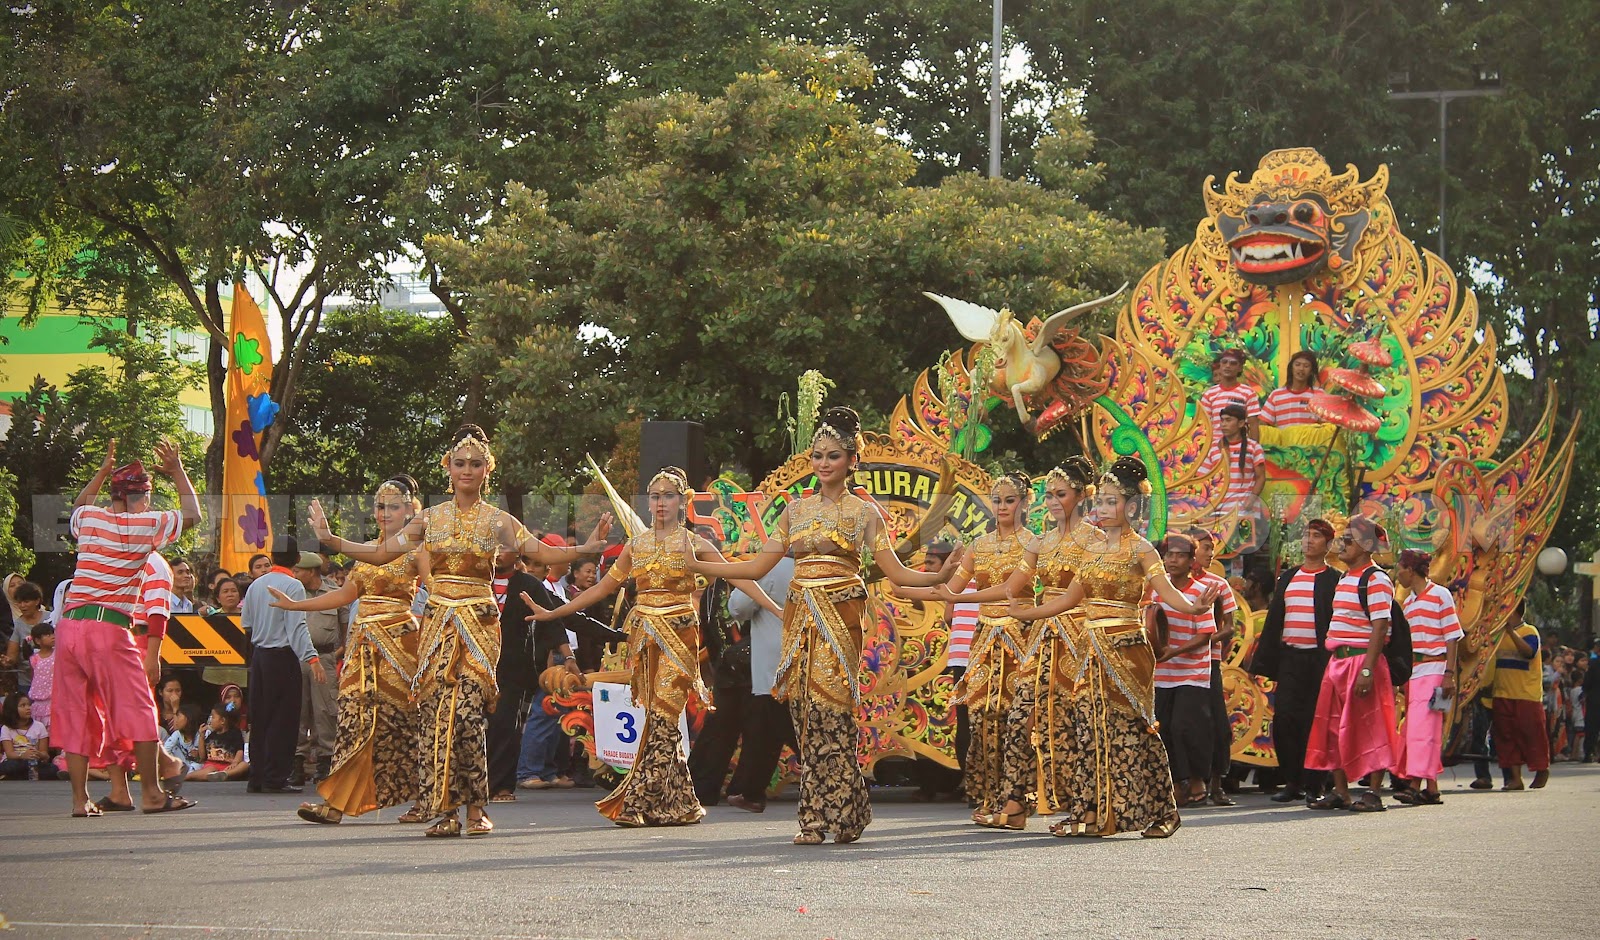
(742, 239)
(14, 552)
(370, 406)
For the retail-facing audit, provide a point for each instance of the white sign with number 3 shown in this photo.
(619, 725)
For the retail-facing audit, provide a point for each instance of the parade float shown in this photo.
(1412, 400)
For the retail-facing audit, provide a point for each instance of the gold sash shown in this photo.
(812, 611)
(659, 624)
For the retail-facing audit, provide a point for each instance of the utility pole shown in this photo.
(1488, 87)
(995, 58)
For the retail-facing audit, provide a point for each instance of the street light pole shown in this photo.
(1444, 96)
(994, 92)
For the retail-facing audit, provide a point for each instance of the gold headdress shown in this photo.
(842, 425)
(395, 487)
(1017, 481)
(1127, 476)
(678, 479)
(1075, 472)
(472, 440)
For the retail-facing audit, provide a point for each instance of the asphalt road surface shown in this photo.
(1484, 865)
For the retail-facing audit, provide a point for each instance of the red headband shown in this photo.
(128, 480)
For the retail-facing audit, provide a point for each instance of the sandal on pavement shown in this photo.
(172, 804)
(1429, 798)
(319, 813)
(415, 814)
(108, 805)
(445, 828)
(1218, 798)
(88, 809)
(534, 783)
(1162, 830)
(1329, 801)
(631, 821)
(503, 798)
(481, 826)
(749, 806)
(810, 837)
(1482, 783)
(846, 836)
(1369, 803)
(1408, 797)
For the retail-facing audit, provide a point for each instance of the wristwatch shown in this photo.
(1366, 673)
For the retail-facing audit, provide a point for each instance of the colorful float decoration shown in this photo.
(1412, 401)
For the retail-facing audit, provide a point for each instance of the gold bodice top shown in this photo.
(995, 558)
(1054, 573)
(818, 526)
(1113, 573)
(660, 564)
(461, 547)
(387, 587)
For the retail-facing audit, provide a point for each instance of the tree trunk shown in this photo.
(216, 383)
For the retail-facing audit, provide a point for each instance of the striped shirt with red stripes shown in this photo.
(1241, 480)
(1225, 600)
(1351, 625)
(963, 625)
(111, 553)
(1300, 609)
(1431, 612)
(1215, 398)
(1286, 408)
(1192, 668)
(501, 585)
(155, 590)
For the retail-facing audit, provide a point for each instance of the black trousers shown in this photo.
(1187, 730)
(767, 728)
(1221, 725)
(504, 736)
(274, 714)
(757, 726)
(1294, 707)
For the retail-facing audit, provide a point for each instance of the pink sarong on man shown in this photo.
(1353, 733)
(103, 703)
(1423, 739)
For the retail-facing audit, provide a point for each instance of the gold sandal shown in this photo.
(319, 813)
(846, 836)
(810, 837)
(481, 826)
(415, 814)
(1162, 830)
(631, 821)
(445, 828)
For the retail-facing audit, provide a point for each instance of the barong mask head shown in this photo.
(836, 445)
(668, 493)
(1122, 493)
(469, 461)
(1011, 495)
(1066, 485)
(396, 502)
(131, 485)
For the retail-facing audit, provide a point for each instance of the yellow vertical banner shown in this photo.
(246, 527)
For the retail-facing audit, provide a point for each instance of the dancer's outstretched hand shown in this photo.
(597, 538)
(319, 521)
(110, 463)
(539, 613)
(169, 459)
(1205, 600)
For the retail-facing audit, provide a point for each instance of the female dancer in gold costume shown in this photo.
(828, 532)
(375, 753)
(998, 685)
(1119, 780)
(663, 645)
(455, 682)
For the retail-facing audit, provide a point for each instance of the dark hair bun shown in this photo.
(1129, 471)
(1078, 469)
(842, 419)
(406, 482)
(469, 432)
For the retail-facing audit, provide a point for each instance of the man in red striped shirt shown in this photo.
(1227, 368)
(1353, 733)
(1290, 652)
(1224, 611)
(1431, 612)
(103, 695)
(1183, 675)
